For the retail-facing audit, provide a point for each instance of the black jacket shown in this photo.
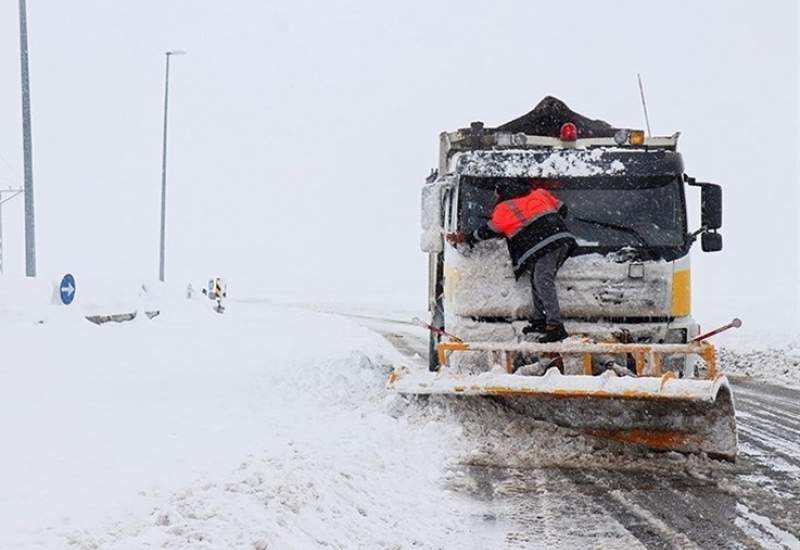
(537, 236)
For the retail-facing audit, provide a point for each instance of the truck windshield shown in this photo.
(605, 213)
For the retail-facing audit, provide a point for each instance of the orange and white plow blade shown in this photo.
(685, 415)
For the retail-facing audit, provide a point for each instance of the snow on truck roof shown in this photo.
(554, 140)
(545, 163)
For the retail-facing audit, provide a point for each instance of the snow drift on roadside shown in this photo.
(772, 357)
(775, 365)
(262, 427)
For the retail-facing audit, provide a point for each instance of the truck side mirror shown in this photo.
(711, 242)
(711, 207)
(710, 214)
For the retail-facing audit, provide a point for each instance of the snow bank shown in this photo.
(772, 357)
(262, 427)
(337, 472)
(36, 300)
(774, 364)
(24, 300)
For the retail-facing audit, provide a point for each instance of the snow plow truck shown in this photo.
(635, 368)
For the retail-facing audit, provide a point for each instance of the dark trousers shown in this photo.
(543, 285)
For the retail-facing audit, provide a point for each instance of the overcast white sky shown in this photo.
(300, 132)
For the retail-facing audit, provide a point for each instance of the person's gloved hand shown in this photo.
(460, 237)
(456, 238)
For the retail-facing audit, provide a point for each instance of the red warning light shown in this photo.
(569, 132)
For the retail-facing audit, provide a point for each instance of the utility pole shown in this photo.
(30, 237)
(164, 170)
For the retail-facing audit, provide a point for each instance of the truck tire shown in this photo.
(433, 357)
(437, 313)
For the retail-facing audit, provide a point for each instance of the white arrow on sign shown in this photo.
(69, 289)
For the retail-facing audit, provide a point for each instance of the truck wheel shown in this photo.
(433, 358)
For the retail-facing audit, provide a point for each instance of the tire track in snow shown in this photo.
(783, 430)
(783, 398)
(766, 411)
(769, 418)
(668, 511)
(407, 346)
(537, 508)
(769, 421)
(763, 530)
(649, 533)
(758, 439)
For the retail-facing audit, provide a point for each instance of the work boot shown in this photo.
(536, 325)
(553, 333)
(556, 362)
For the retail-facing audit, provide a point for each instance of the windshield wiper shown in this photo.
(624, 229)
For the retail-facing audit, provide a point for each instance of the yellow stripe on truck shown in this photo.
(681, 293)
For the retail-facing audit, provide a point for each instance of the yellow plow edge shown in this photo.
(656, 409)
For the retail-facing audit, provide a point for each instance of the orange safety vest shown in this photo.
(510, 216)
(531, 226)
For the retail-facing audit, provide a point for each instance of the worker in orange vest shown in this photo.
(531, 220)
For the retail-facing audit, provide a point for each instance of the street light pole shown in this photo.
(30, 238)
(164, 169)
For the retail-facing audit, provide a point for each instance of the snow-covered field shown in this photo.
(265, 427)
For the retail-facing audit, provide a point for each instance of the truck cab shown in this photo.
(628, 280)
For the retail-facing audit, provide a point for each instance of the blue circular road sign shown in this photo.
(67, 289)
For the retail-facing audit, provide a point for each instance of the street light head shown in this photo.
(176, 52)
